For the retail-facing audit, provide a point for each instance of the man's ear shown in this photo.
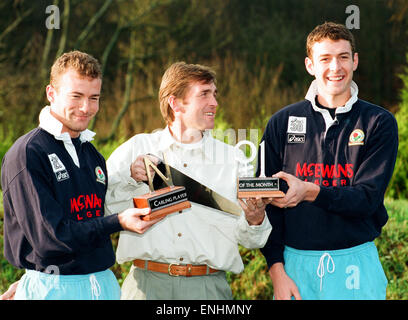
(51, 92)
(309, 66)
(355, 61)
(174, 103)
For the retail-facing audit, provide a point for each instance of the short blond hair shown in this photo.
(83, 63)
(176, 81)
(332, 31)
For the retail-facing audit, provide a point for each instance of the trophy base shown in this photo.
(249, 187)
(262, 194)
(165, 211)
(163, 202)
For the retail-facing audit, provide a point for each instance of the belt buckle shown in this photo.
(169, 269)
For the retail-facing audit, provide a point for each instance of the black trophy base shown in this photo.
(163, 202)
(249, 187)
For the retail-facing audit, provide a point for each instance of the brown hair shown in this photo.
(83, 63)
(332, 31)
(176, 80)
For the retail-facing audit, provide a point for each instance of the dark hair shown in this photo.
(332, 31)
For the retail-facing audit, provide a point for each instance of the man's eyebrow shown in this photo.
(208, 90)
(81, 94)
(344, 53)
(76, 93)
(338, 54)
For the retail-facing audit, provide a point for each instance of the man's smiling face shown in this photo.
(332, 63)
(199, 106)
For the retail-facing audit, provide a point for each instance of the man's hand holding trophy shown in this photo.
(165, 200)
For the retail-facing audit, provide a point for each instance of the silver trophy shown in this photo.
(250, 186)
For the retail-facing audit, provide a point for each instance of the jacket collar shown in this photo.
(53, 126)
(312, 93)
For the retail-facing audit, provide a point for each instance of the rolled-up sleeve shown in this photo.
(254, 236)
(121, 187)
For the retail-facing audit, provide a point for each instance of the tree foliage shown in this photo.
(398, 187)
(136, 40)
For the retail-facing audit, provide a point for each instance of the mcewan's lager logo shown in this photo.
(356, 138)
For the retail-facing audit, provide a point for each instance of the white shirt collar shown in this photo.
(53, 126)
(329, 121)
(312, 93)
(205, 144)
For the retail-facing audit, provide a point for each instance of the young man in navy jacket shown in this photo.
(54, 183)
(336, 153)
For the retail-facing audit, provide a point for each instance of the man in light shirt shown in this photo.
(201, 243)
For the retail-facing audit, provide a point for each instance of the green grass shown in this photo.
(254, 281)
(393, 249)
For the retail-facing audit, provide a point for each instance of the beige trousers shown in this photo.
(148, 285)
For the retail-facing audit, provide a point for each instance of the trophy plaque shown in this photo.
(197, 192)
(251, 187)
(162, 201)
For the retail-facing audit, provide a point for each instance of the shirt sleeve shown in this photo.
(121, 187)
(45, 225)
(371, 178)
(253, 237)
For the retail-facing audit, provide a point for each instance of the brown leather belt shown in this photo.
(174, 269)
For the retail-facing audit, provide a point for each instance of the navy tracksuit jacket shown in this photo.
(352, 163)
(53, 210)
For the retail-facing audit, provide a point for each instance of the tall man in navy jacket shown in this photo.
(336, 153)
(54, 183)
